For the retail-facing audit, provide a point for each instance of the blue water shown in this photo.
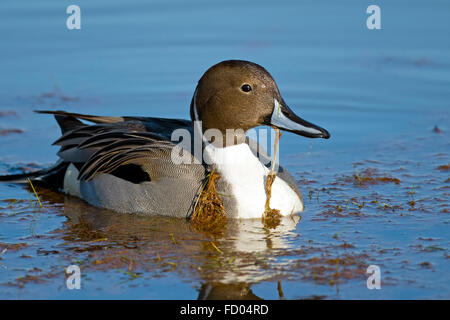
(379, 93)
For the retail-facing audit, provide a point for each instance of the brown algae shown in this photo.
(368, 176)
(209, 213)
(272, 217)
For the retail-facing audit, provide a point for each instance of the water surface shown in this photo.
(375, 193)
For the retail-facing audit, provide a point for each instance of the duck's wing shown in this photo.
(125, 163)
(136, 173)
(79, 141)
(112, 142)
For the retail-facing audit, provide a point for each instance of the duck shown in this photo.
(157, 166)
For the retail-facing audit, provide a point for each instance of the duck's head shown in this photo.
(238, 94)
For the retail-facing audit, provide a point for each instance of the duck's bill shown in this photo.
(285, 119)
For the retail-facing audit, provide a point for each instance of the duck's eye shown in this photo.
(246, 88)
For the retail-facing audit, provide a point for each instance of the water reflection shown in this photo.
(225, 265)
(220, 291)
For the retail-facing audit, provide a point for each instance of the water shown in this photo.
(380, 93)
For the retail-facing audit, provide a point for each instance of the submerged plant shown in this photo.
(272, 217)
(209, 213)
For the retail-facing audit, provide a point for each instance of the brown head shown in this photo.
(238, 94)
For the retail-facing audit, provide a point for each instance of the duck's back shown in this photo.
(124, 164)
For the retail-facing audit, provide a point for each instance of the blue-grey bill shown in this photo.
(285, 119)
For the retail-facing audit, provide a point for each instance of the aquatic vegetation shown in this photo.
(35, 193)
(12, 246)
(271, 217)
(215, 247)
(444, 167)
(370, 176)
(5, 132)
(209, 213)
(172, 237)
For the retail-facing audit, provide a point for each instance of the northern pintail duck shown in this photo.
(127, 164)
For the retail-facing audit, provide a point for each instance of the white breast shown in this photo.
(246, 176)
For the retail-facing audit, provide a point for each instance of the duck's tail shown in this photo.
(21, 177)
(52, 177)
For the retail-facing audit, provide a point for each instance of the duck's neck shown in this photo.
(245, 176)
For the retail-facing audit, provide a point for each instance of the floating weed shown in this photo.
(131, 274)
(97, 240)
(359, 205)
(77, 261)
(13, 246)
(335, 276)
(35, 193)
(368, 177)
(62, 266)
(357, 174)
(272, 217)
(130, 265)
(383, 205)
(209, 213)
(231, 260)
(346, 245)
(336, 235)
(172, 237)
(11, 204)
(21, 281)
(172, 264)
(215, 247)
(36, 213)
(412, 192)
(310, 194)
(379, 205)
(444, 167)
(433, 248)
(314, 275)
